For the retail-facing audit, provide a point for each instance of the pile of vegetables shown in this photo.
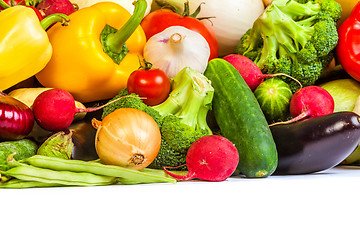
(121, 92)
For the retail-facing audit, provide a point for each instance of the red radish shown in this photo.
(211, 158)
(48, 7)
(250, 72)
(54, 109)
(309, 102)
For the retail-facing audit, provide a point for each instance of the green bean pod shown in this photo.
(125, 175)
(17, 183)
(31, 173)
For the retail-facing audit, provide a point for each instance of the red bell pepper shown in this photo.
(348, 48)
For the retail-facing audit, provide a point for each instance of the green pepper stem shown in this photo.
(115, 41)
(54, 18)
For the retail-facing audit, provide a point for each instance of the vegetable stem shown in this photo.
(54, 18)
(4, 4)
(115, 41)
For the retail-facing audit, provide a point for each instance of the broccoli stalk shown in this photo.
(295, 37)
(190, 100)
(181, 117)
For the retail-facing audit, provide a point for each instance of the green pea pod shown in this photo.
(31, 173)
(17, 183)
(125, 175)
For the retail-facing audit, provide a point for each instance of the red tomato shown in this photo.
(153, 84)
(157, 21)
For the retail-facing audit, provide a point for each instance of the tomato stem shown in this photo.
(185, 12)
(145, 64)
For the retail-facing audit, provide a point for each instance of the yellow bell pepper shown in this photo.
(24, 45)
(82, 65)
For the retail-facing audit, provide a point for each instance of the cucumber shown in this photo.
(274, 97)
(241, 120)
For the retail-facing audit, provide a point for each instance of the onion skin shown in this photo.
(128, 138)
(16, 119)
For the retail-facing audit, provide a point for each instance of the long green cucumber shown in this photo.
(241, 120)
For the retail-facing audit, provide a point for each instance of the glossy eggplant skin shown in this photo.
(315, 144)
(83, 137)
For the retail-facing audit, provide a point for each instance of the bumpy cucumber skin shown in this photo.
(241, 120)
(22, 148)
(18, 149)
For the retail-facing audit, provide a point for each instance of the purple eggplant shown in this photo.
(315, 144)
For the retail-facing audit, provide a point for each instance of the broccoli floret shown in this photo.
(178, 134)
(295, 37)
(167, 156)
(182, 117)
(131, 101)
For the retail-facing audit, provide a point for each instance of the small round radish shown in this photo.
(249, 71)
(54, 109)
(211, 158)
(48, 7)
(309, 102)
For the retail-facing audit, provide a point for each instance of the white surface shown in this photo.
(317, 206)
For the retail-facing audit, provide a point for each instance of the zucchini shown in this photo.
(241, 120)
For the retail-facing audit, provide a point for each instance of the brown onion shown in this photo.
(16, 119)
(128, 138)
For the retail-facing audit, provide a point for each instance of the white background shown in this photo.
(317, 206)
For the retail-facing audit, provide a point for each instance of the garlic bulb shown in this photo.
(176, 48)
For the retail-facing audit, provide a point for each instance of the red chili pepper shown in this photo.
(348, 48)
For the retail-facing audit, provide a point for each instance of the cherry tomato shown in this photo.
(153, 84)
(158, 20)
